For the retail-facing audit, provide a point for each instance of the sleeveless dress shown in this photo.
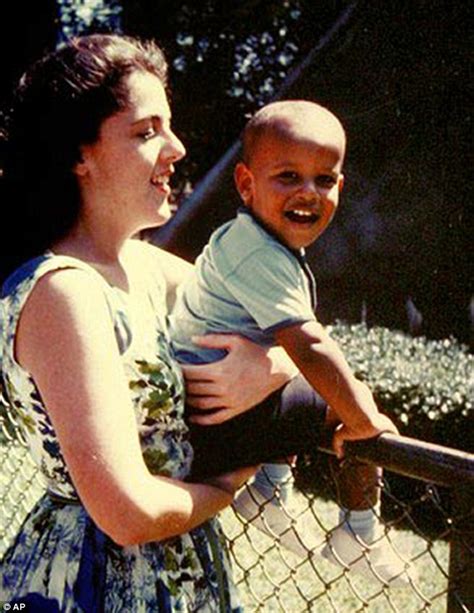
(60, 560)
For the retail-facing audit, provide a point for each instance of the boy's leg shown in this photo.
(274, 481)
(242, 441)
(276, 429)
(292, 421)
(287, 422)
(358, 484)
(359, 541)
(294, 425)
(296, 422)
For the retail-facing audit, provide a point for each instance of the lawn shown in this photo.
(271, 578)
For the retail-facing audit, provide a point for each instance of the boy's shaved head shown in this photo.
(291, 175)
(287, 118)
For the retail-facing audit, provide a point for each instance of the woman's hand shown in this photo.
(232, 481)
(242, 379)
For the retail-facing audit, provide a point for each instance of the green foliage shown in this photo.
(78, 17)
(425, 386)
(231, 56)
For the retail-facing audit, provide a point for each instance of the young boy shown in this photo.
(252, 279)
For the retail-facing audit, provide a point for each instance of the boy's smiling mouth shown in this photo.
(302, 216)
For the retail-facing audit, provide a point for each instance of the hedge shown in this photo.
(425, 386)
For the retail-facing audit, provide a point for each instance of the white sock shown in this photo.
(272, 477)
(363, 523)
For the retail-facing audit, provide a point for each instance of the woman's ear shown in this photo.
(80, 168)
(243, 178)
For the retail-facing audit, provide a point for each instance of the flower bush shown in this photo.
(425, 386)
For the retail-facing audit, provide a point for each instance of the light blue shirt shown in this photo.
(245, 282)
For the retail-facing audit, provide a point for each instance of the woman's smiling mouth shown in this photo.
(162, 182)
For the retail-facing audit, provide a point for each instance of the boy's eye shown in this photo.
(288, 176)
(325, 180)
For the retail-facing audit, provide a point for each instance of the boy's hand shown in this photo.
(379, 423)
(243, 378)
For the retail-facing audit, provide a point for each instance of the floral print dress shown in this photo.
(60, 560)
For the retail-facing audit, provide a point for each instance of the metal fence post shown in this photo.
(461, 567)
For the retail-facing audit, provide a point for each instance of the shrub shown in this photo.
(425, 386)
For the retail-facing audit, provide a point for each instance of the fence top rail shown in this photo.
(413, 458)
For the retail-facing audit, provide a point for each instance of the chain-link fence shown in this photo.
(428, 525)
(427, 514)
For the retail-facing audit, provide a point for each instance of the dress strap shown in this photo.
(59, 500)
(22, 281)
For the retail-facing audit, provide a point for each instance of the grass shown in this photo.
(271, 579)
(20, 488)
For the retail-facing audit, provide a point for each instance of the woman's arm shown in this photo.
(65, 340)
(175, 270)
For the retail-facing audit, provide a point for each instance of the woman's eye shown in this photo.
(148, 134)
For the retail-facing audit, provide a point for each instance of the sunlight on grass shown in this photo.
(273, 579)
(20, 488)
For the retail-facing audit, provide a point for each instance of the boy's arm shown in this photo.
(323, 364)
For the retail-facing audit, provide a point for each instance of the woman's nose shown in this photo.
(174, 149)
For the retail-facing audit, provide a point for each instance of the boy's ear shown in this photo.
(244, 182)
(80, 168)
(340, 182)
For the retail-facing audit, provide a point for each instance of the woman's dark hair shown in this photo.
(58, 106)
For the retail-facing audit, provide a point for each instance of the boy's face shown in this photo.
(292, 183)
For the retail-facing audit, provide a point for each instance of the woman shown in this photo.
(86, 361)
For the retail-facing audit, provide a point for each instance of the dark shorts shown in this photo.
(288, 422)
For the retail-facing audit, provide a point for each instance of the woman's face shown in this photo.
(124, 176)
